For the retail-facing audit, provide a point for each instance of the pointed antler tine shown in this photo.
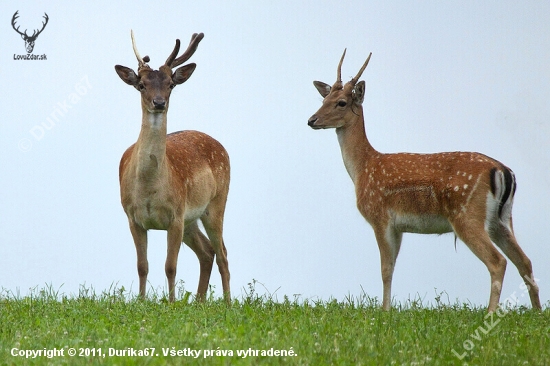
(37, 32)
(141, 62)
(173, 55)
(339, 73)
(13, 20)
(193, 44)
(356, 78)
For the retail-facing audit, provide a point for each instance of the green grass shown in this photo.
(352, 332)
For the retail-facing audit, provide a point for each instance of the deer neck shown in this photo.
(354, 145)
(151, 145)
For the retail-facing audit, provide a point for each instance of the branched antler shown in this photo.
(13, 19)
(37, 32)
(24, 34)
(172, 61)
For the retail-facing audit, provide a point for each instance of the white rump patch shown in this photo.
(491, 213)
(493, 202)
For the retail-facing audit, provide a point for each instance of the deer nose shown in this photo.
(311, 121)
(159, 103)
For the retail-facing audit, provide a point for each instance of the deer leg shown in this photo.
(213, 224)
(175, 235)
(473, 234)
(506, 241)
(140, 240)
(200, 244)
(389, 243)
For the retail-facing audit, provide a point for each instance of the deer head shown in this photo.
(155, 86)
(339, 99)
(29, 40)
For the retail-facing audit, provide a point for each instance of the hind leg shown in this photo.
(213, 224)
(504, 237)
(200, 244)
(473, 234)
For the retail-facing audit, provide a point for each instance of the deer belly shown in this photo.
(153, 217)
(194, 212)
(421, 224)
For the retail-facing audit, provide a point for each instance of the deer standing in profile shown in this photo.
(467, 193)
(168, 182)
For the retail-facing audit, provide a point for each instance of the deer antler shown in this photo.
(172, 61)
(356, 78)
(15, 16)
(37, 32)
(173, 55)
(339, 73)
(142, 62)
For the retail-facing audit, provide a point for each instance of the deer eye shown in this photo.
(342, 103)
(141, 86)
(172, 86)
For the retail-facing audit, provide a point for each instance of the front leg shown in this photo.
(140, 240)
(389, 243)
(175, 237)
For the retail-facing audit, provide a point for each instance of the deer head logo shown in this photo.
(29, 40)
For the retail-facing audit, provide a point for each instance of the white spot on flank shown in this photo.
(456, 188)
(465, 186)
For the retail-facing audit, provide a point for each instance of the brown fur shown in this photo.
(423, 193)
(168, 182)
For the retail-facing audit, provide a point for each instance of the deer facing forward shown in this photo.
(168, 182)
(467, 193)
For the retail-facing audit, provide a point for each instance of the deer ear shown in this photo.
(181, 75)
(359, 92)
(322, 88)
(127, 75)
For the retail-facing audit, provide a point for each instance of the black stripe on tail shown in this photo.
(509, 186)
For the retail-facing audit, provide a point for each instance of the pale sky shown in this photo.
(444, 76)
